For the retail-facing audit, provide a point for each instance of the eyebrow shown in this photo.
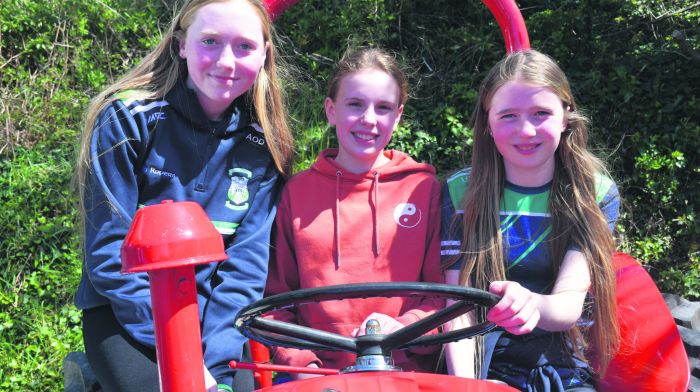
(216, 33)
(537, 107)
(506, 110)
(360, 98)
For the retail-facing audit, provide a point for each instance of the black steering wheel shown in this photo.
(250, 321)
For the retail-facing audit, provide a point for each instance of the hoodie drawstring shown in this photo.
(336, 232)
(376, 217)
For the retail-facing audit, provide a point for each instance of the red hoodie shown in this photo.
(388, 231)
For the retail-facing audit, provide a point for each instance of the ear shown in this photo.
(330, 110)
(565, 122)
(265, 52)
(398, 116)
(181, 42)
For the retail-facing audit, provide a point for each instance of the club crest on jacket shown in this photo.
(238, 191)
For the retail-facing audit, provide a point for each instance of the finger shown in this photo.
(497, 287)
(531, 324)
(521, 310)
(526, 327)
(501, 311)
(524, 321)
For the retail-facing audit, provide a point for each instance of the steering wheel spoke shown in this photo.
(412, 333)
(315, 338)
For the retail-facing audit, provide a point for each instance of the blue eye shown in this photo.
(246, 46)
(209, 41)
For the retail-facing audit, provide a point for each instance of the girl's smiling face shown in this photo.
(526, 123)
(225, 49)
(365, 114)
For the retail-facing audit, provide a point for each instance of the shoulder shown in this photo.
(131, 104)
(460, 177)
(456, 185)
(605, 187)
(126, 117)
(299, 180)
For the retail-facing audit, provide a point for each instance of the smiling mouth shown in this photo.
(225, 79)
(364, 136)
(527, 147)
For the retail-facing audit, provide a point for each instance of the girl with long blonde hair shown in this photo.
(201, 118)
(531, 220)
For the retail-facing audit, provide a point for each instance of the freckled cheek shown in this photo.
(247, 71)
(386, 124)
(344, 124)
(502, 131)
(203, 59)
(249, 66)
(346, 120)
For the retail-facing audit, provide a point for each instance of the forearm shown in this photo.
(559, 312)
(240, 281)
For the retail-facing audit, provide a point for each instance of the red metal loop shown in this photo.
(512, 25)
(506, 12)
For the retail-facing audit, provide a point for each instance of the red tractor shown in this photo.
(651, 358)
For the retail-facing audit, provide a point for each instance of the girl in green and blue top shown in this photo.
(532, 221)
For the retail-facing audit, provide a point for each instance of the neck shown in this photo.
(213, 109)
(357, 166)
(529, 179)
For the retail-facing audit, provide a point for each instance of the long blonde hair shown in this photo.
(576, 217)
(159, 71)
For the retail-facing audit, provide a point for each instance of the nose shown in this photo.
(369, 117)
(227, 59)
(527, 128)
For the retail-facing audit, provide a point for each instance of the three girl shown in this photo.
(531, 221)
(359, 214)
(199, 119)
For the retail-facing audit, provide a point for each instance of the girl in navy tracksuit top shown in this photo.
(194, 121)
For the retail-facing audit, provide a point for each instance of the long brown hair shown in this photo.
(576, 217)
(159, 71)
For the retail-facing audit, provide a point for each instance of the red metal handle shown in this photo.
(281, 368)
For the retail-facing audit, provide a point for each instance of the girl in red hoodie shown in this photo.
(359, 214)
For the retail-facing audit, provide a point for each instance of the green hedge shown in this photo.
(638, 83)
